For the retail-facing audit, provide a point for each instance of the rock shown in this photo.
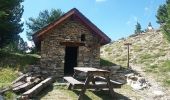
(158, 93)
(136, 81)
(136, 86)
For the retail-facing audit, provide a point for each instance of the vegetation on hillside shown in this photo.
(104, 62)
(12, 63)
(10, 18)
(149, 51)
(163, 18)
(138, 28)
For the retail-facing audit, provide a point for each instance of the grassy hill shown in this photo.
(12, 63)
(149, 51)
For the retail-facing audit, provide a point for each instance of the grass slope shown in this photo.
(12, 63)
(149, 51)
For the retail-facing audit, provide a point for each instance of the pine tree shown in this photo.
(10, 21)
(22, 45)
(138, 28)
(149, 25)
(45, 17)
(163, 18)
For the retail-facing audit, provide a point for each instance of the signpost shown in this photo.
(128, 44)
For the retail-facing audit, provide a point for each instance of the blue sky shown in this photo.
(116, 18)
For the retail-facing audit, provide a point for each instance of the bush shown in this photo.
(104, 62)
(16, 59)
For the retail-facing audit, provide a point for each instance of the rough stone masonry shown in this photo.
(53, 53)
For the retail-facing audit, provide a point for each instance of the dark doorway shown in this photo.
(70, 60)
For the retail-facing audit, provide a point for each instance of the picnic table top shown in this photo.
(89, 69)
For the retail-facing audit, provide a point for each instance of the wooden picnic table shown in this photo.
(91, 75)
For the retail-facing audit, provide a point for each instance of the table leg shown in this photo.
(70, 85)
(85, 86)
(93, 80)
(110, 87)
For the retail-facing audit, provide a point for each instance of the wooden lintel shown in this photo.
(72, 43)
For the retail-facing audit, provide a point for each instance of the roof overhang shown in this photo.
(40, 35)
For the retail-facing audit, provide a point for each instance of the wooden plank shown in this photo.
(17, 84)
(10, 88)
(72, 80)
(36, 89)
(72, 43)
(87, 69)
(104, 79)
(99, 73)
(26, 86)
(20, 78)
(114, 84)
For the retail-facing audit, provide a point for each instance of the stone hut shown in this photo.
(70, 41)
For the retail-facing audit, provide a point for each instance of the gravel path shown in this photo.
(155, 91)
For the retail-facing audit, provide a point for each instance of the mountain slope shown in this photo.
(149, 52)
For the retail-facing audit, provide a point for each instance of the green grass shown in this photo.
(167, 82)
(152, 68)
(137, 48)
(7, 75)
(165, 70)
(122, 58)
(165, 66)
(62, 93)
(16, 60)
(159, 54)
(104, 62)
(108, 49)
(9, 95)
(11, 63)
(145, 56)
(145, 59)
(161, 71)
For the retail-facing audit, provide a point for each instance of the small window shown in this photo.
(83, 38)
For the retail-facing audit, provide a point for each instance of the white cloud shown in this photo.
(146, 8)
(100, 0)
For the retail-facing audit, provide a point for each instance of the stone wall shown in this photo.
(53, 53)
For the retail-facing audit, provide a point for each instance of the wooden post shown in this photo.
(128, 44)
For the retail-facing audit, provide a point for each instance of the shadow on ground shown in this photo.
(44, 92)
(105, 95)
(89, 95)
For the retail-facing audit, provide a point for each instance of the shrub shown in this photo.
(104, 62)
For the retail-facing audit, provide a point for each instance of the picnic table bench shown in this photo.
(95, 79)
